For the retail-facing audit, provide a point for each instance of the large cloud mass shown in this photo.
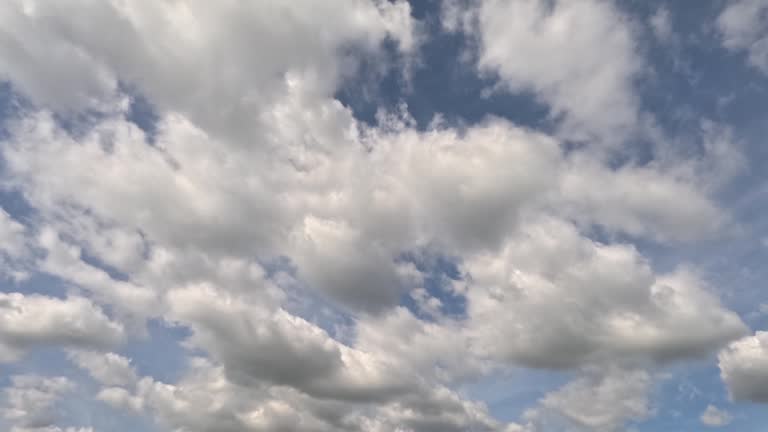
(282, 233)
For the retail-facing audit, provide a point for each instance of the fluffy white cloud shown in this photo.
(596, 402)
(206, 400)
(203, 214)
(715, 417)
(32, 321)
(743, 28)
(30, 400)
(744, 368)
(248, 48)
(553, 298)
(254, 162)
(639, 200)
(258, 345)
(342, 235)
(578, 57)
(107, 368)
(65, 261)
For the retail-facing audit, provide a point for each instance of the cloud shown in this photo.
(661, 24)
(580, 58)
(743, 30)
(107, 368)
(206, 400)
(250, 48)
(715, 417)
(30, 400)
(65, 261)
(258, 190)
(35, 321)
(639, 200)
(14, 249)
(12, 235)
(273, 346)
(744, 368)
(555, 299)
(597, 401)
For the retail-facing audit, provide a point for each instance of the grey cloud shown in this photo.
(744, 368)
(33, 321)
(257, 345)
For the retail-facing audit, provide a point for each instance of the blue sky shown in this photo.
(358, 215)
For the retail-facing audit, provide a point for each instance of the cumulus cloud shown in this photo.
(598, 401)
(205, 399)
(743, 29)
(577, 57)
(273, 346)
(250, 51)
(553, 298)
(744, 368)
(107, 368)
(34, 321)
(715, 417)
(639, 200)
(257, 190)
(30, 400)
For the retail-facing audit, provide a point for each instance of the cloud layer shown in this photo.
(331, 273)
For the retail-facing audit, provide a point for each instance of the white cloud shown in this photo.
(578, 57)
(553, 298)
(661, 24)
(12, 235)
(204, 214)
(33, 321)
(121, 398)
(715, 417)
(743, 29)
(250, 49)
(254, 161)
(744, 368)
(205, 400)
(14, 247)
(30, 400)
(599, 401)
(107, 368)
(65, 261)
(640, 201)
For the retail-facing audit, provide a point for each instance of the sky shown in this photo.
(383, 216)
